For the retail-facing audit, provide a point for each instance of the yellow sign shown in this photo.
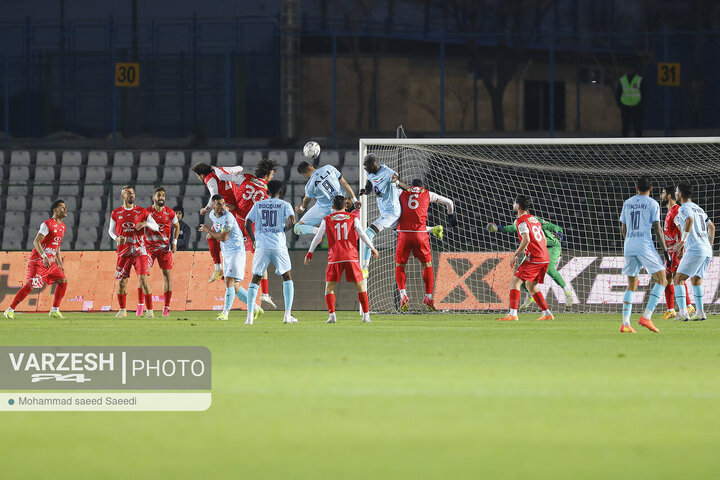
(669, 74)
(127, 74)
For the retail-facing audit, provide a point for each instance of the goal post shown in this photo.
(577, 184)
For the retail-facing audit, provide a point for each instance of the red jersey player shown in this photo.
(672, 236)
(413, 237)
(531, 271)
(343, 230)
(159, 246)
(127, 224)
(45, 264)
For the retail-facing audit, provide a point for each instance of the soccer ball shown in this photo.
(311, 150)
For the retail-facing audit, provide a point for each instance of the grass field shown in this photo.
(443, 396)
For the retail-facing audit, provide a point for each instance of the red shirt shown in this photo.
(414, 205)
(165, 219)
(672, 232)
(54, 232)
(342, 237)
(125, 221)
(252, 190)
(536, 251)
(226, 189)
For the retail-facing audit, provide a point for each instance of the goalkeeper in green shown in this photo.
(554, 235)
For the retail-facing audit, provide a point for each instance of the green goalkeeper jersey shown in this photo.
(549, 228)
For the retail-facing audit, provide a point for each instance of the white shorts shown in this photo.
(650, 260)
(694, 265)
(234, 266)
(315, 215)
(280, 258)
(387, 220)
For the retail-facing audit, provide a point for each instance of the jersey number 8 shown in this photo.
(538, 233)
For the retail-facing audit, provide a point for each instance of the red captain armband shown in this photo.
(309, 256)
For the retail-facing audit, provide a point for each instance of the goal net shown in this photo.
(576, 184)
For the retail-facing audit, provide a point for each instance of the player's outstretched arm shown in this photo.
(398, 183)
(315, 241)
(348, 189)
(368, 188)
(219, 236)
(212, 187)
(303, 206)
(711, 232)
(549, 226)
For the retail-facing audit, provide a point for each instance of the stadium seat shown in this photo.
(47, 189)
(14, 219)
(193, 204)
(149, 159)
(19, 174)
(173, 175)
(41, 202)
(171, 201)
(192, 218)
(330, 157)
(2, 160)
(20, 158)
(36, 218)
(351, 159)
(196, 157)
(175, 159)
(295, 176)
(123, 159)
(95, 174)
(44, 174)
(195, 189)
(280, 156)
(94, 190)
(16, 204)
(147, 174)
(69, 174)
(172, 190)
(45, 157)
(143, 194)
(89, 220)
(352, 175)
(298, 158)
(87, 239)
(71, 159)
(121, 175)
(18, 190)
(71, 203)
(97, 159)
(226, 159)
(12, 237)
(91, 204)
(250, 159)
(69, 189)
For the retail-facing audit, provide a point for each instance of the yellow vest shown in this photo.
(630, 90)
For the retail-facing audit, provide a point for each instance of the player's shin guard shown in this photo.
(514, 301)
(214, 250)
(699, 293)
(680, 296)
(168, 296)
(141, 296)
(289, 295)
(627, 306)
(400, 277)
(59, 294)
(366, 253)
(229, 297)
(242, 295)
(330, 302)
(251, 296)
(264, 285)
(20, 296)
(148, 301)
(670, 296)
(122, 300)
(655, 295)
(428, 280)
(540, 301)
(302, 229)
(364, 301)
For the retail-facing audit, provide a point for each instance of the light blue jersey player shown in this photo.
(226, 230)
(324, 184)
(385, 183)
(697, 234)
(270, 217)
(640, 215)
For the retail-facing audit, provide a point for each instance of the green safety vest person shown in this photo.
(630, 95)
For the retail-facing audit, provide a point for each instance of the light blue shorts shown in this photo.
(234, 265)
(262, 259)
(694, 265)
(387, 220)
(315, 215)
(650, 260)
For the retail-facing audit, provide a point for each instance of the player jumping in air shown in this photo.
(413, 237)
(160, 248)
(553, 235)
(640, 215)
(672, 236)
(46, 264)
(343, 230)
(696, 237)
(533, 268)
(270, 217)
(323, 184)
(127, 224)
(226, 230)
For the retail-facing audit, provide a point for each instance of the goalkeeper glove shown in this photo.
(492, 228)
(560, 236)
(452, 221)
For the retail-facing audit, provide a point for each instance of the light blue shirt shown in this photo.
(324, 185)
(235, 243)
(388, 193)
(269, 216)
(638, 214)
(697, 242)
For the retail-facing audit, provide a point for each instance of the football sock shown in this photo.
(427, 276)
(655, 295)
(214, 251)
(540, 300)
(670, 296)
(241, 294)
(229, 298)
(514, 300)
(122, 299)
(59, 294)
(403, 292)
(264, 285)
(366, 252)
(330, 302)
(141, 296)
(680, 299)
(20, 296)
(148, 301)
(400, 277)
(251, 296)
(699, 293)
(627, 307)
(302, 229)
(168, 296)
(364, 302)
(289, 295)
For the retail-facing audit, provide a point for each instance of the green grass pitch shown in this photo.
(415, 396)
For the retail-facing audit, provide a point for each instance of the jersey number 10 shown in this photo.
(635, 220)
